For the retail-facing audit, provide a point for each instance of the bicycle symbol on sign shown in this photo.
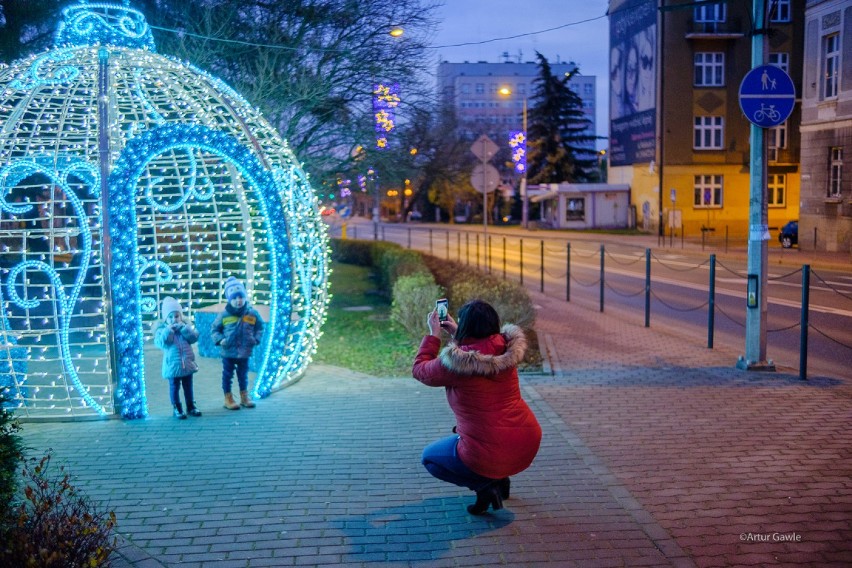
(766, 112)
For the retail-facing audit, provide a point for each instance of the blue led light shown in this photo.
(198, 186)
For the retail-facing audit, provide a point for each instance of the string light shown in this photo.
(518, 143)
(161, 180)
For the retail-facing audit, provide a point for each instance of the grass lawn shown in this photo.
(364, 339)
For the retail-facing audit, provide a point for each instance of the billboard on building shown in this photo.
(632, 81)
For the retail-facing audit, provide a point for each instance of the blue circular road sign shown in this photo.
(767, 96)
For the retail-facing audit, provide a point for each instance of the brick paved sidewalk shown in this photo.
(657, 452)
(730, 463)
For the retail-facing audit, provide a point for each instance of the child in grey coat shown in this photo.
(175, 337)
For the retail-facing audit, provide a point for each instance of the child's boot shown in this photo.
(245, 400)
(230, 403)
(192, 410)
(178, 412)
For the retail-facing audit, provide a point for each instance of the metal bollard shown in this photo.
(602, 278)
(567, 272)
(711, 307)
(803, 331)
(647, 287)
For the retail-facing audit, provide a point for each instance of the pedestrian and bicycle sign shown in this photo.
(767, 96)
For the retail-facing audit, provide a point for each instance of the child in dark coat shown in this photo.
(236, 331)
(175, 337)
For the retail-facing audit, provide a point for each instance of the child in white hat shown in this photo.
(175, 337)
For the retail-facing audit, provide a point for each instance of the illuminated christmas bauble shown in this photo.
(125, 177)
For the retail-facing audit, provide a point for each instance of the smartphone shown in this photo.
(442, 307)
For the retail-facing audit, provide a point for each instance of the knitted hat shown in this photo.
(170, 305)
(234, 287)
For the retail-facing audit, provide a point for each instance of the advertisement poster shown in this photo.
(633, 95)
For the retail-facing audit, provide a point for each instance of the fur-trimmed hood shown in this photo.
(487, 356)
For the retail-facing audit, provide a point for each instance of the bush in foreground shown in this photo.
(54, 525)
(10, 455)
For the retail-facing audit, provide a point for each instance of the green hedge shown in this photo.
(389, 261)
(464, 283)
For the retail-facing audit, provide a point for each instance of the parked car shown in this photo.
(789, 234)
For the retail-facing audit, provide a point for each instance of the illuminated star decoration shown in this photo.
(385, 100)
(518, 143)
(140, 177)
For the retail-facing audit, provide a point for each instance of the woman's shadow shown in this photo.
(415, 532)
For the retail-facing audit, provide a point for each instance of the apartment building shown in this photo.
(677, 134)
(825, 218)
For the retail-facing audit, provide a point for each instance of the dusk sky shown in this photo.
(471, 21)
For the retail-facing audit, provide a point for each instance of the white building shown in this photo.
(473, 90)
(825, 217)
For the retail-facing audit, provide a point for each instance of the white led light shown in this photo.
(198, 187)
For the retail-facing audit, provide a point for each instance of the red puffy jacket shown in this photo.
(499, 433)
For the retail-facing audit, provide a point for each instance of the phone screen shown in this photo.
(442, 307)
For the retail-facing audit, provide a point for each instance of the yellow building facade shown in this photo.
(677, 133)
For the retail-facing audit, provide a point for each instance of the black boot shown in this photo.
(485, 497)
(192, 410)
(178, 412)
(505, 485)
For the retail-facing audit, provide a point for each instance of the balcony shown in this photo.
(731, 28)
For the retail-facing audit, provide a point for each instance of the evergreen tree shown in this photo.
(560, 147)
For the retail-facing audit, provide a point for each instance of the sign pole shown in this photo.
(756, 305)
(484, 192)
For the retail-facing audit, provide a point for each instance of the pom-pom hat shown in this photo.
(234, 287)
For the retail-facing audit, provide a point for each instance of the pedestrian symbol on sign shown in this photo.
(767, 96)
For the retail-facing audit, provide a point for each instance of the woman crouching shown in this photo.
(496, 434)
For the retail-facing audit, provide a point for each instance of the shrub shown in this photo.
(413, 297)
(392, 263)
(510, 300)
(54, 525)
(10, 454)
(349, 251)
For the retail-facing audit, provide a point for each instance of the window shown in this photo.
(831, 64)
(709, 131)
(835, 171)
(776, 138)
(708, 191)
(709, 69)
(781, 60)
(480, 88)
(522, 88)
(492, 88)
(776, 189)
(588, 89)
(465, 88)
(576, 210)
(780, 11)
(710, 13)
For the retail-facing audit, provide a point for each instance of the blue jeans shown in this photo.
(441, 459)
(228, 366)
(174, 391)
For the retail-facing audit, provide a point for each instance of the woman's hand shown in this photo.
(450, 325)
(434, 323)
